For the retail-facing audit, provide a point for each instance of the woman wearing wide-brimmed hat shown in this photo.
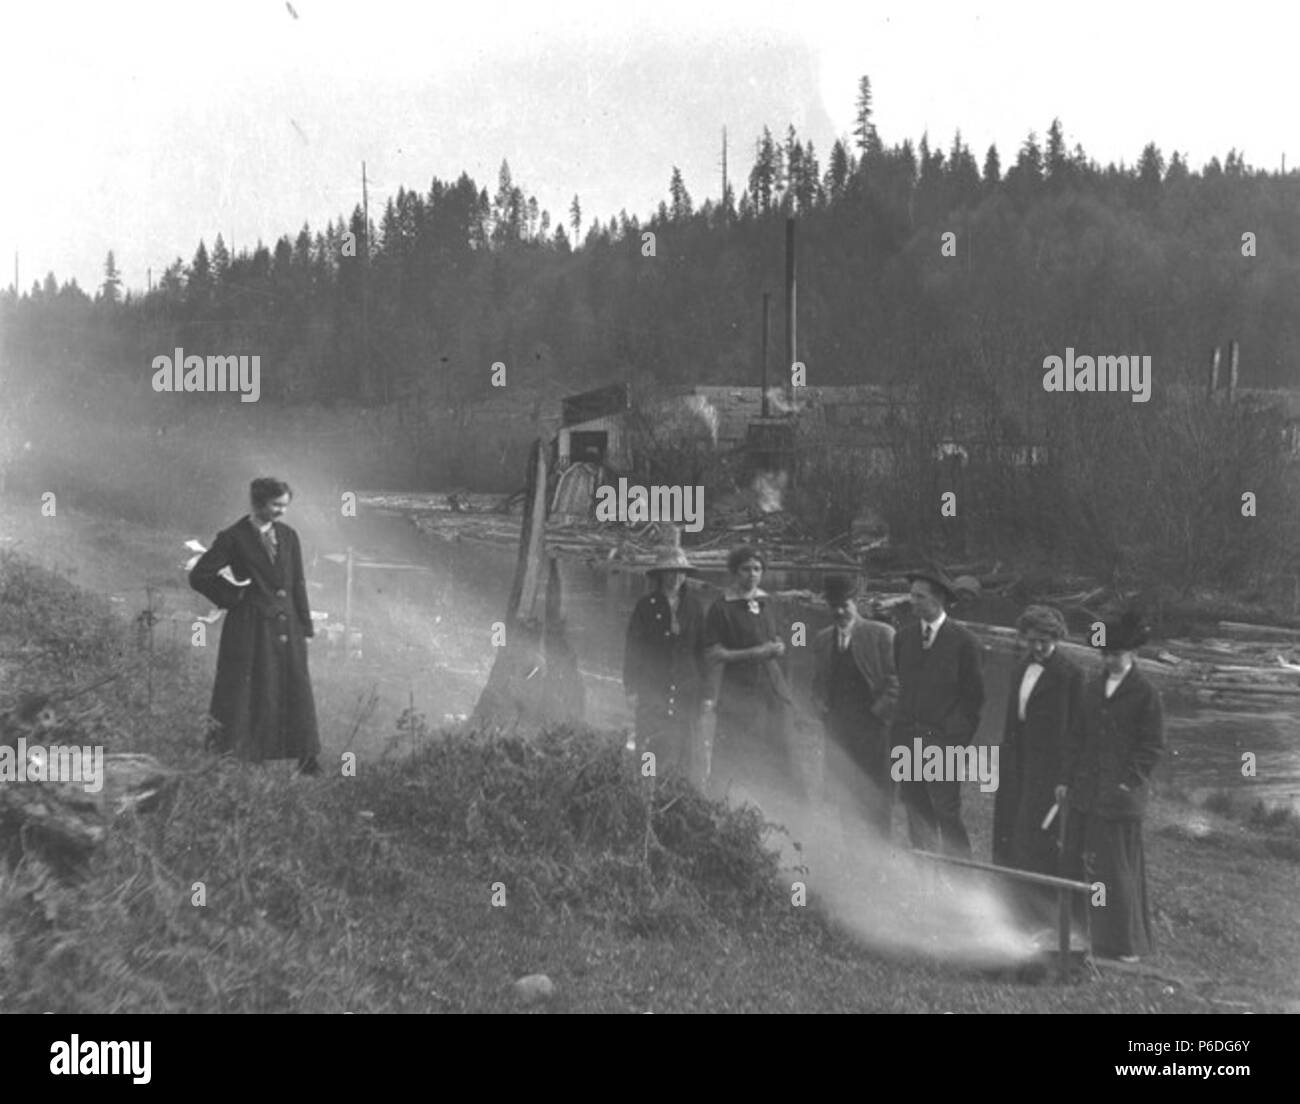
(1107, 780)
(752, 742)
(663, 664)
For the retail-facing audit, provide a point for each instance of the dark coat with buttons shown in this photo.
(1115, 748)
(262, 702)
(657, 665)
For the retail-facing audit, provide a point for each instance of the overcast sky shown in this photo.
(142, 126)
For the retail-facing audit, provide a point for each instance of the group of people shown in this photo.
(1082, 749)
(1079, 748)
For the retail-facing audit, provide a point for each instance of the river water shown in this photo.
(427, 640)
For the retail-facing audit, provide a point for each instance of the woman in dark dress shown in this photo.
(1043, 703)
(1117, 744)
(752, 744)
(663, 666)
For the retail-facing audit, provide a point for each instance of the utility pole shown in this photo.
(763, 361)
(724, 176)
(149, 276)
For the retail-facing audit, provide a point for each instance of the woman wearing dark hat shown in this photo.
(663, 664)
(752, 739)
(1043, 704)
(1116, 746)
(854, 689)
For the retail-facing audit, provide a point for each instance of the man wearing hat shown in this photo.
(1106, 779)
(663, 663)
(941, 693)
(854, 689)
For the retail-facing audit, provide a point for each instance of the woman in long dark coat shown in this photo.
(1118, 742)
(663, 665)
(1043, 703)
(752, 743)
(262, 703)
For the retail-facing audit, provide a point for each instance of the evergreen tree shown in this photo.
(864, 130)
(1058, 164)
(682, 208)
(992, 169)
(763, 179)
(837, 173)
(220, 261)
(111, 290)
(575, 217)
(1150, 172)
(198, 280)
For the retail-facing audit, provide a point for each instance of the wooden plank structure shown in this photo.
(535, 680)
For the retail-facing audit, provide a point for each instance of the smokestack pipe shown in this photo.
(791, 296)
(1233, 351)
(766, 297)
(1214, 372)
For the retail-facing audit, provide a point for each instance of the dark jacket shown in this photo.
(941, 691)
(262, 699)
(654, 660)
(1115, 747)
(872, 646)
(1032, 763)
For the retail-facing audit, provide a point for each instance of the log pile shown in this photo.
(63, 822)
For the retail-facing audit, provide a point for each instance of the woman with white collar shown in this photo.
(751, 747)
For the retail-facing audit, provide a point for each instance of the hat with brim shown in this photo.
(671, 559)
(1126, 632)
(938, 577)
(839, 588)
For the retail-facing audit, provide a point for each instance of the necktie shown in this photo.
(268, 542)
(927, 634)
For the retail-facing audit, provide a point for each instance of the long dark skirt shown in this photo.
(672, 736)
(1110, 852)
(753, 754)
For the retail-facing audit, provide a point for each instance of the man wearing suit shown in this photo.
(262, 703)
(941, 693)
(854, 689)
(1043, 704)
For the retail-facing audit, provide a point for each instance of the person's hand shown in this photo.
(775, 648)
(1061, 792)
(706, 706)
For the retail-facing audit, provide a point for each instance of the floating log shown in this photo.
(1259, 632)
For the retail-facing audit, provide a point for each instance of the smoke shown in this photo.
(769, 489)
(887, 898)
(706, 412)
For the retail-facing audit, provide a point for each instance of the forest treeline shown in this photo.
(923, 264)
(1050, 250)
